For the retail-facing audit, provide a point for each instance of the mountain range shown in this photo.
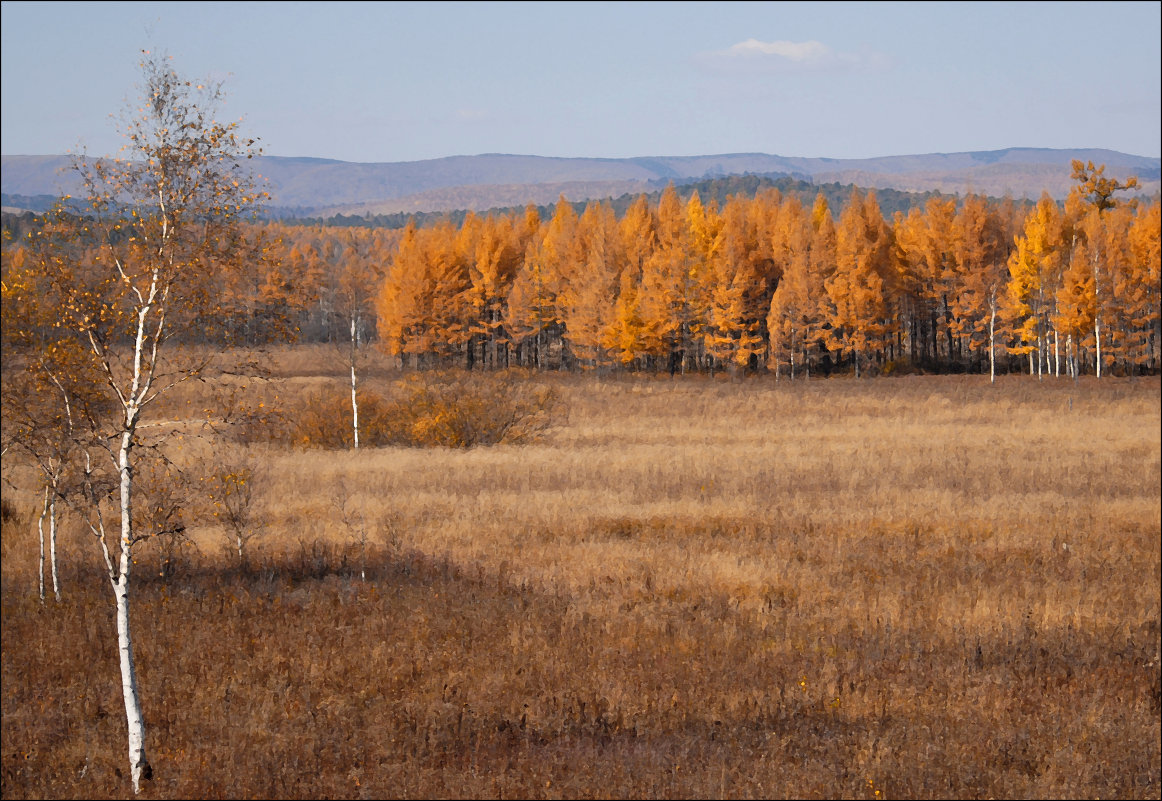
(325, 187)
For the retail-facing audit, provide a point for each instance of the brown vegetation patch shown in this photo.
(916, 587)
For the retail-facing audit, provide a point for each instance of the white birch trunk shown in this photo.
(56, 583)
(49, 510)
(1097, 311)
(354, 403)
(138, 764)
(40, 532)
(141, 380)
(992, 341)
(1097, 341)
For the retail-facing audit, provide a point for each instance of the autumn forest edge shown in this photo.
(763, 282)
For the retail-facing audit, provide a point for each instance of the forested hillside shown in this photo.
(325, 187)
(711, 190)
(755, 274)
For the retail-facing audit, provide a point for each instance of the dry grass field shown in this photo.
(911, 587)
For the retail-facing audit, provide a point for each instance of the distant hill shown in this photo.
(324, 187)
(711, 190)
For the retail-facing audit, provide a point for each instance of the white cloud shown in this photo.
(783, 55)
(801, 52)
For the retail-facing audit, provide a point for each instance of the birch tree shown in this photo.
(37, 425)
(356, 278)
(126, 277)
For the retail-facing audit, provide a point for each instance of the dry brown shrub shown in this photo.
(463, 410)
(449, 409)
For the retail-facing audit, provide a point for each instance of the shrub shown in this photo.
(455, 411)
(323, 419)
(425, 410)
(261, 420)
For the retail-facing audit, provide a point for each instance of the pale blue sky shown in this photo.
(380, 82)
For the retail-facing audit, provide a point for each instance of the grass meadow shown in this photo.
(909, 587)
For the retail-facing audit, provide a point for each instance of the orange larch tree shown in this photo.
(1143, 288)
(917, 299)
(670, 290)
(493, 268)
(533, 317)
(404, 301)
(982, 253)
(859, 290)
(1097, 191)
(793, 320)
(589, 295)
(928, 280)
(637, 232)
(1035, 267)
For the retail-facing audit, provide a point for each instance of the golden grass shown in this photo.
(909, 587)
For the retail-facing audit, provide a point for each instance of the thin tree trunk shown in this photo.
(48, 510)
(792, 355)
(40, 531)
(1097, 311)
(992, 342)
(1097, 340)
(138, 763)
(1056, 354)
(354, 403)
(948, 324)
(56, 583)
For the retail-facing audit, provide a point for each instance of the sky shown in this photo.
(385, 82)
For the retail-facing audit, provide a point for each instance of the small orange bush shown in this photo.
(426, 410)
(446, 410)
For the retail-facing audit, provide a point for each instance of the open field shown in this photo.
(910, 587)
